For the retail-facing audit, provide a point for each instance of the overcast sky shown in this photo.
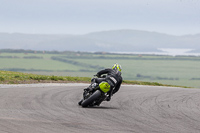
(176, 17)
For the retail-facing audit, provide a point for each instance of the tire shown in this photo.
(92, 98)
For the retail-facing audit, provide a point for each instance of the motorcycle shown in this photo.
(95, 94)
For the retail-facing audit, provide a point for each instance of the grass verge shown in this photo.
(9, 77)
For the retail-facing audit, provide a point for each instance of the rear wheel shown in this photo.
(91, 99)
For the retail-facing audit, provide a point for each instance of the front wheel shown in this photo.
(91, 99)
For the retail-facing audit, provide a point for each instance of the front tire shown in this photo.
(91, 99)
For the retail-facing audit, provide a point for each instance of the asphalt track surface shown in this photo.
(53, 108)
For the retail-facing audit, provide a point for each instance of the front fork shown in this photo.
(90, 90)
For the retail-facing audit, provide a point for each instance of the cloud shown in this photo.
(82, 16)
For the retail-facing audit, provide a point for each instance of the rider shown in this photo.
(113, 77)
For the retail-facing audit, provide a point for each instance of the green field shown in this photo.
(179, 70)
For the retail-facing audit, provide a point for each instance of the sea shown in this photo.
(166, 51)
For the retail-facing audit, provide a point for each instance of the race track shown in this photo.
(53, 108)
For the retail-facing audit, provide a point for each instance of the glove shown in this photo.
(97, 75)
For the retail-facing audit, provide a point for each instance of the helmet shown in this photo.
(117, 67)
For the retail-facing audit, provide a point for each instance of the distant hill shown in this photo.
(108, 41)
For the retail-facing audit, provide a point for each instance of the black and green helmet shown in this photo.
(117, 67)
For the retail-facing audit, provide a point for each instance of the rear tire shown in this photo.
(91, 99)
